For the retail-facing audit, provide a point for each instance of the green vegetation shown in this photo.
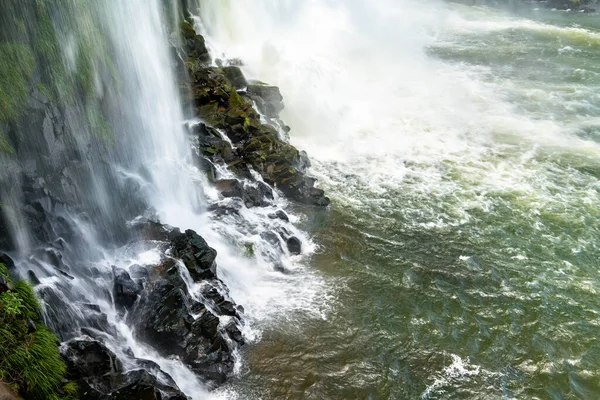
(15, 75)
(29, 358)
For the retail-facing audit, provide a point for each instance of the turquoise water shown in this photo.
(461, 153)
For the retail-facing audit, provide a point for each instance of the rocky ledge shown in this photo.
(241, 128)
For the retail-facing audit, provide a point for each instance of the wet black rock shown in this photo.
(164, 318)
(279, 214)
(100, 375)
(196, 254)
(125, 290)
(273, 239)
(33, 279)
(294, 245)
(7, 261)
(258, 146)
(222, 306)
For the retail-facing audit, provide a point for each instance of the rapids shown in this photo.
(460, 147)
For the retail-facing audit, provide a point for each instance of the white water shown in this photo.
(151, 158)
(365, 99)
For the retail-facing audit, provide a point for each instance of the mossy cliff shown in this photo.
(30, 361)
(226, 101)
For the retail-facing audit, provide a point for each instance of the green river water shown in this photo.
(460, 255)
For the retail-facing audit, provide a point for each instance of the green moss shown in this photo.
(5, 147)
(248, 250)
(16, 70)
(29, 361)
(100, 126)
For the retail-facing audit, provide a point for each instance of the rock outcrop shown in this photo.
(100, 375)
(233, 132)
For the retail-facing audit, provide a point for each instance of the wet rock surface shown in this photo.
(100, 375)
(234, 134)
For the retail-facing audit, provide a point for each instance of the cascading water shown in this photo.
(460, 146)
(109, 147)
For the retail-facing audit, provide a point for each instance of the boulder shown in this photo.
(279, 214)
(166, 318)
(230, 188)
(196, 254)
(268, 98)
(235, 76)
(100, 375)
(294, 245)
(125, 290)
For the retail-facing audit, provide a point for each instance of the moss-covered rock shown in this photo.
(218, 99)
(30, 361)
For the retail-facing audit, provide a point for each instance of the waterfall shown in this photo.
(101, 140)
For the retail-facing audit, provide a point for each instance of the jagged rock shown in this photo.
(194, 44)
(151, 230)
(144, 386)
(279, 214)
(222, 305)
(230, 188)
(6, 241)
(256, 145)
(273, 240)
(235, 77)
(7, 261)
(196, 254)
(294, 245)
(268, 98)
(33, 279)
(163, 317)
(100, 375)
(125, 290)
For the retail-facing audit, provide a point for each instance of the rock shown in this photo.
(138, 271)
(6, 241)
(7, 261)
(100, 375)
(151, 230)
(33, 278)
(230, 188)
(92, 361)
(144, 386)
(235, 77)
(91, 307)
(279, 214)
(222, 305)
(194, 44)
(196, 254)
(125, 290)
(294, 245)
(163, 318)
(256, 146)
(273, 239)
(272, 100)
